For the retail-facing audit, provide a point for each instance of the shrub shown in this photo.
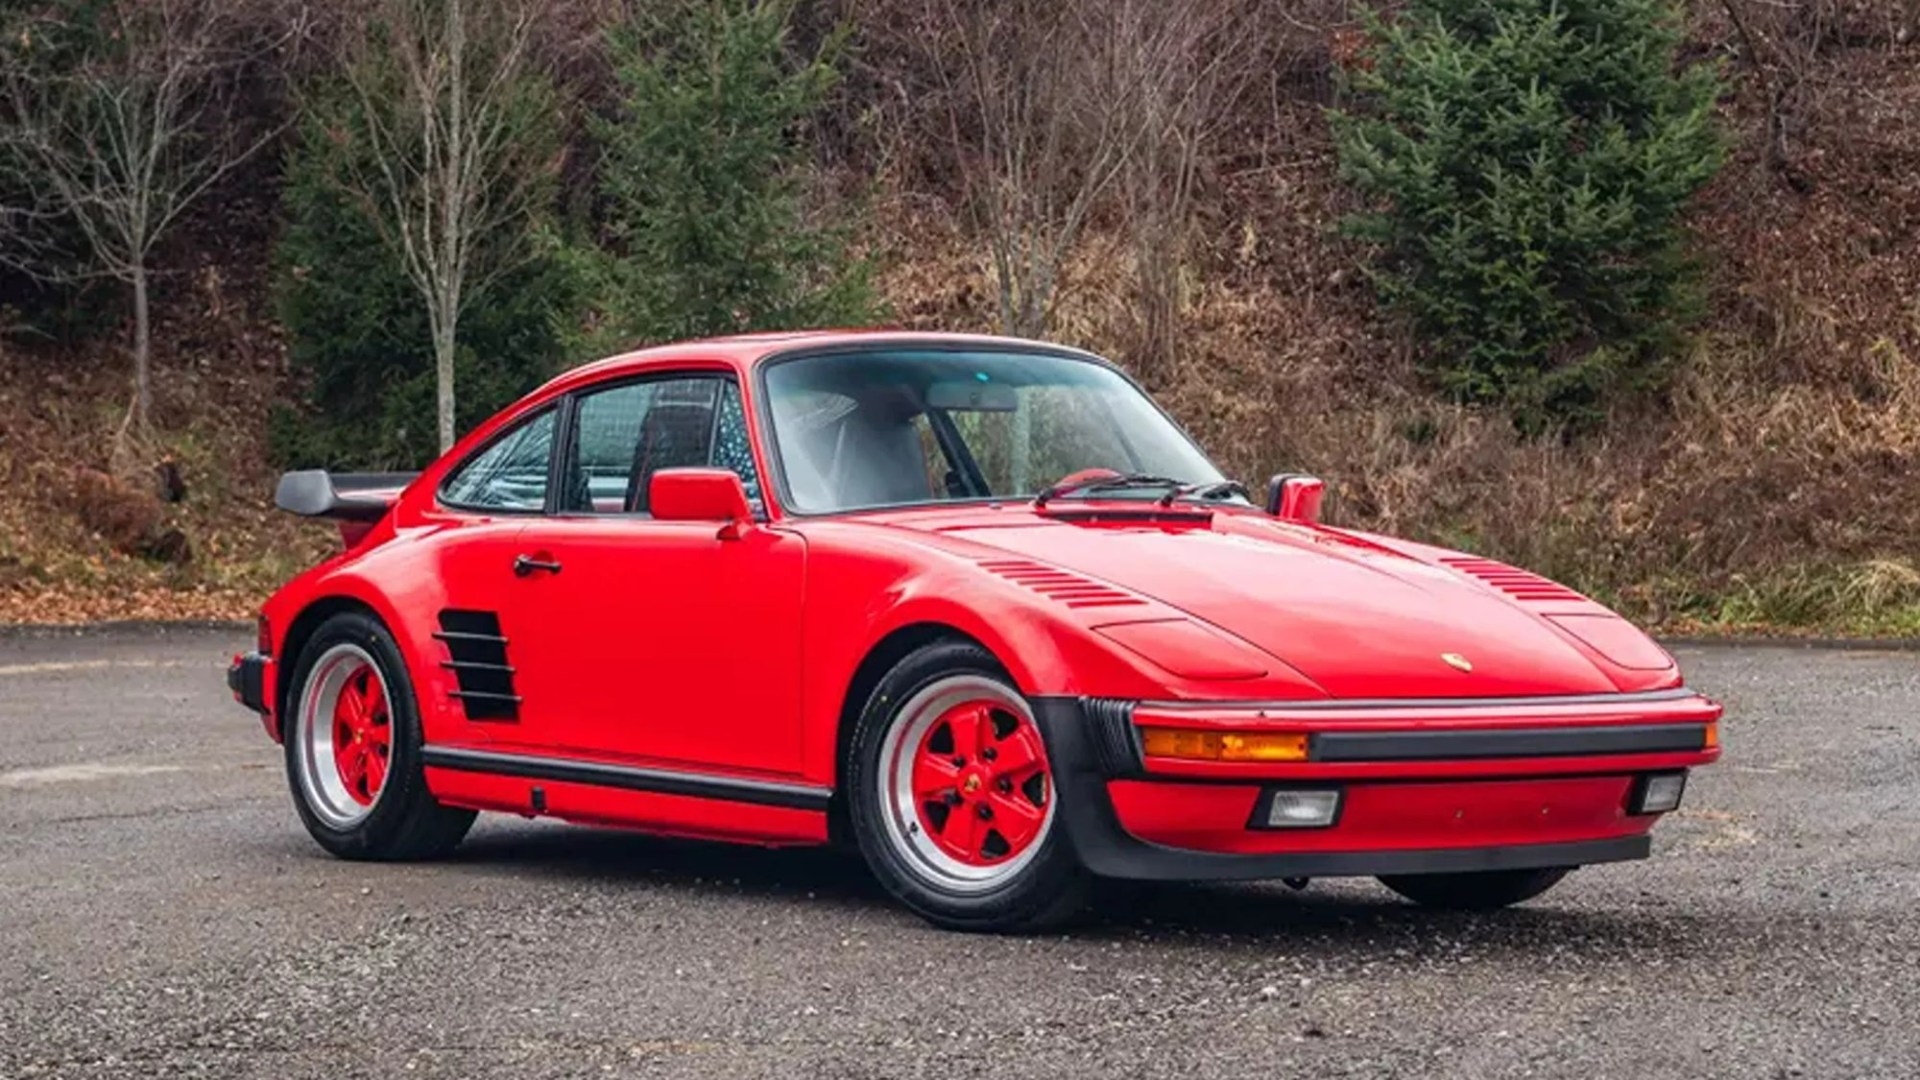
(1526, 163)
(702, 182)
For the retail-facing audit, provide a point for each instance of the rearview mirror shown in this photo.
(1295, 496)
(972, 397)
(714, 495)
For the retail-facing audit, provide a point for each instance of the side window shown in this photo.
(606, 430)
(624, 434)
(732, 448)
(510, 474)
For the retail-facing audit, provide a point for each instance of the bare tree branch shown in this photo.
(119, 129)
(454, 164)
(1038, 143)
(1782, 40)
(1183, 61)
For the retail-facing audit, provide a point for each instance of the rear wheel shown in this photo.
(951, 796)
(352, 740)
(1482, 891)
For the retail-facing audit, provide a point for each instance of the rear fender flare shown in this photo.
(296, 622)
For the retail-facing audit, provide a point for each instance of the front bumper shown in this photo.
(1427, 788)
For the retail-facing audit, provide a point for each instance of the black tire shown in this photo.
(1482, 891)
(1048, 891)
(405, 822)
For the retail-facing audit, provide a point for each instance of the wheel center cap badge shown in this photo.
(1454, 659)
(972, 785)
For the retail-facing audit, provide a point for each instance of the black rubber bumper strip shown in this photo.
(1105, 848)
(247, 679)
(628, 778)
(1506, 743)
(1601, 701)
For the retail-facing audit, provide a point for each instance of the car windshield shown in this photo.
(910, 426)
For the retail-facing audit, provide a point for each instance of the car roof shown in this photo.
(744, 352)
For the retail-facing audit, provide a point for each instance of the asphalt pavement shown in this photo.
(163, 914)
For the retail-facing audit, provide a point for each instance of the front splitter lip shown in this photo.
(1141, 860)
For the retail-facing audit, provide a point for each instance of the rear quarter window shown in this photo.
(510, 474)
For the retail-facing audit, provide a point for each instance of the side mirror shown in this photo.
(714, 495)
(1295, 496)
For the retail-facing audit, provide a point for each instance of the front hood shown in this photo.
(1357, 619)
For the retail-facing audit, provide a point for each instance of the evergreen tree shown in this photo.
(703, 181)
(1527, 163)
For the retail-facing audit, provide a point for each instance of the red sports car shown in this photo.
(974, 605)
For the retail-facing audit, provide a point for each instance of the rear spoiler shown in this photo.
(318, 493)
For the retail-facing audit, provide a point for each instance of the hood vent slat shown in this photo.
(1511, 580)
(1062, 585)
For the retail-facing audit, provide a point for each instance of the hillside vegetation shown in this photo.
(1163, 184)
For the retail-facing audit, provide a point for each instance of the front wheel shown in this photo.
(1480, 891)
(352, 740)
(952, 800)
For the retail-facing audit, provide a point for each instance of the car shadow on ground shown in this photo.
(614, 855)
(1361, 915)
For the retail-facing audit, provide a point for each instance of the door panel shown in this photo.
(468, 667)
(463, 601)
(658, 641)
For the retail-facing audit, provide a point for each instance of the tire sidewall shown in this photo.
(405, 783)
(1038, 893)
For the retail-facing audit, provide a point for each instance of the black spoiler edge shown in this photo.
(318, 493)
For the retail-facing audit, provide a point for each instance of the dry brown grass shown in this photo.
(71, 535)
(75, 544)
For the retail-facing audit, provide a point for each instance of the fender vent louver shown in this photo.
(1069, 588)
(477, 656)
(1511, 580)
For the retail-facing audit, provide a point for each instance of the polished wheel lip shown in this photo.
(902, 816)
(316, 755)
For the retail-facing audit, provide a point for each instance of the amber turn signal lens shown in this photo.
(1713, 735)
(1224, 745)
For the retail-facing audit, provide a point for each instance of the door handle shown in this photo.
(527, 566)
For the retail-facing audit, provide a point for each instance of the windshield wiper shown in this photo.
(1215, 489)
(1103, 483)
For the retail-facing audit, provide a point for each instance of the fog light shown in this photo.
(1658, 793)
(1298, 809)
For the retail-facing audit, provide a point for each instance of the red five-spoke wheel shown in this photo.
(362, 733)
(966, 783)
(345, 733)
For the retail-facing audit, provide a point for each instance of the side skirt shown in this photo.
(652, 800)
